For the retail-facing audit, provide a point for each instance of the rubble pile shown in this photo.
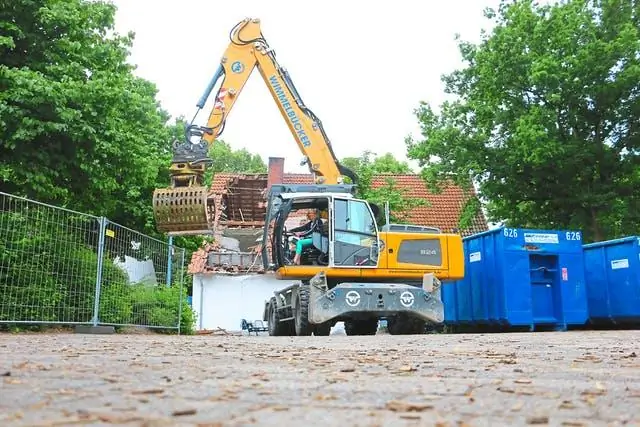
(199, 258)
(201, 262)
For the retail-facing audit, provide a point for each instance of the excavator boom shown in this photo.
(185, 207)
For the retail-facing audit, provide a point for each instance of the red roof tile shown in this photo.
(441, 210)
(298, 178)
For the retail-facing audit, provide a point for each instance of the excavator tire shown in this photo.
(276, 327)
(322, 330)
(301, 312)
(183, 210)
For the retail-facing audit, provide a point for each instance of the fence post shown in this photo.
(169, 261)
(96, 304)
(181, 281)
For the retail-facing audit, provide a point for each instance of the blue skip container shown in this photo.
(520, 277)
(612, 273)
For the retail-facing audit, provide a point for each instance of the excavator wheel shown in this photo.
(183, 210)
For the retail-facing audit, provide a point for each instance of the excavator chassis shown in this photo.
(184, 210)
(308, 307)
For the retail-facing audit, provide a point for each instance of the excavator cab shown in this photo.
(346, 238)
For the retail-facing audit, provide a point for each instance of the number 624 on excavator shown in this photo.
(352, 271)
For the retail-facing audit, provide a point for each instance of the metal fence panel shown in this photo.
(48, 263)
(134, 288)
(58, 266)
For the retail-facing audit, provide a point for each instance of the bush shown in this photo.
(48, 266)
(154, 306)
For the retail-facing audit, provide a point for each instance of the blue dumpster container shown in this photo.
(449, 301)
(522, 277)
(612, 274)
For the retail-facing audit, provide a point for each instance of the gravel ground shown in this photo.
(564, 378)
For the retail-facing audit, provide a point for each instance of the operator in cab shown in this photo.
(305, 231)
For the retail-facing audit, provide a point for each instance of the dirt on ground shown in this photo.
(555, 378)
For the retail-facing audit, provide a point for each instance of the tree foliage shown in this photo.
(367, 166)
(226, 159)
(77, 128)
(547, 117)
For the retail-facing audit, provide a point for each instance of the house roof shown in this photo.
(441, 210)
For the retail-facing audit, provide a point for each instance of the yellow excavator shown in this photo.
(351, 270)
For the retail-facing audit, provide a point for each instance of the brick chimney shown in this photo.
(276, 171)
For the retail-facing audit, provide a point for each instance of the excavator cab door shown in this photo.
(354, 241)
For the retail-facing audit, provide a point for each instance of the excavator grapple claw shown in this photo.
(184, 210)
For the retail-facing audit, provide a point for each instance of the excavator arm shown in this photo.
(185, 207)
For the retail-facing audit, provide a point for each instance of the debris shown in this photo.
(539, 419)
(400, 406)
(410, 416)
(199, 257)
(588, 358)
(567, 404)
(517, 406)
(325, 397)
(598, 391)
(149, 391)
(117, 418)
(183, 412)
(217, 331)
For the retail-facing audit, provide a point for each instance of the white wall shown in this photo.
(222, 301)
(138, 271)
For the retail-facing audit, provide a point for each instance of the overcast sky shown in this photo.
(362, 68)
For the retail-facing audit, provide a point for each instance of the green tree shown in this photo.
(226, 159)
(546, 119)
(367, 166)
(77, 128)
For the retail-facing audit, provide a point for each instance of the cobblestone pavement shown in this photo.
(566, 378)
